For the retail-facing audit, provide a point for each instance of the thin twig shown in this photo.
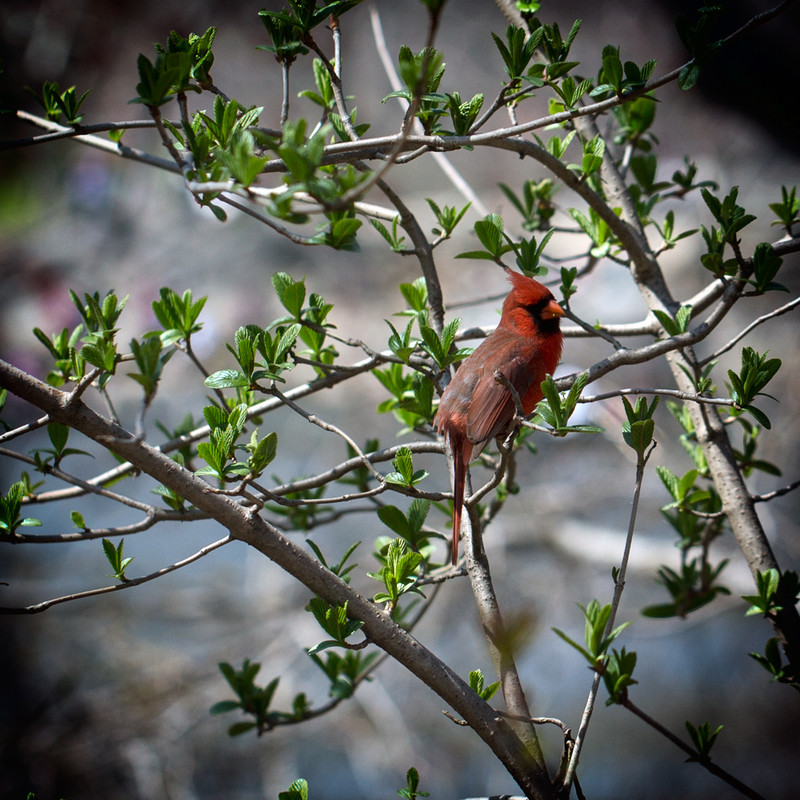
(85, 486)
(269, 496)
(331, 428)
(792, 304)
(594, 331)
(687, 396)
(692, 753)
(334, 72)
(619, 585)
(165, 137)
(149, 521)
(296, 238)
(23, 429)
(394, 81)
(127, 584)
(285, 95)
(70, 133)
(763, 498)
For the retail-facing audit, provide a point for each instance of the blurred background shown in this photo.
(108, 698)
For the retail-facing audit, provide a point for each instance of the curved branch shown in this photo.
(340, 470)
(693, 754)
(86, 486)
(247, 526)
(332, 379)
(327, 426)
(763, 498)
(64, 132)
(158, 515)
(115, 148)
(619, 586)
(689, 397)
(424, 252)
(127, 584)
(754, 324)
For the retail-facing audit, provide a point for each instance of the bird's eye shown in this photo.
(535, 309)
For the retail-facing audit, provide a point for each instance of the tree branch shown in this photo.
(127, 584)
(247, 526)
(693, 754)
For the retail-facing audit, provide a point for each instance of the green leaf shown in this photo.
(489, 231)
(227, 379)
(395, 519)
(703, 739)
(298, 790)
(637, 430)
(404, 473)
(476, 682)
(10, 507)
(77, 520)
(114, 557)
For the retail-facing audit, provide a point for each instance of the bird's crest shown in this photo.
(527, 291)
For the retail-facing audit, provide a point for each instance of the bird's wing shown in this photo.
(492, 405)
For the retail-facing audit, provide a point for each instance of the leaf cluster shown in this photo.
(114, 556)
(249, 342)
(10, 511)
(334, 621)
(411, 791)
(47, 458)
(345, 670)
(638, 428)
(703, 739)
(219, 452)
(57, 103)
(398, 574)
(756, 372)
(410, 526)
(556, 408)
(255, 701)
(597, 639)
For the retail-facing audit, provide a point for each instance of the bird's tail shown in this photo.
(461, 449)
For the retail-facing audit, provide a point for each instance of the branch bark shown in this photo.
(246, 525)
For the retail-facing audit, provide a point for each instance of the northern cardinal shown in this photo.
(475, 407)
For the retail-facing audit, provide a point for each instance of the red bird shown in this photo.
(475, 406)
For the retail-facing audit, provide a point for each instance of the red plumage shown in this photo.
(475, 407)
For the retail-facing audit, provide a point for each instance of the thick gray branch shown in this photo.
(245, 524)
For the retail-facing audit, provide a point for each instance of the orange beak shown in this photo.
(552, 310)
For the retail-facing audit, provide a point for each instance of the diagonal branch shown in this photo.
(246, 525)
(128, 583)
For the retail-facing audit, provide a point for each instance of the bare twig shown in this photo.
(165, 137)
(394, 81)
(619, 585)
(151, 519)
(763, 498)
(676, 393)
(285, 65)
(64, 132)
(692, 753)
(85, 486)
(327, 426)
(792, 304)
(28, 427)
(127, 584)
(598, 331)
